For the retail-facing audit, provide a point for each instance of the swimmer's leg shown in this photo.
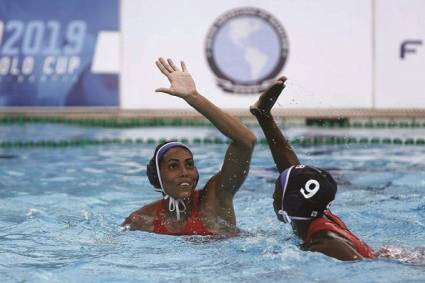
(282, 152)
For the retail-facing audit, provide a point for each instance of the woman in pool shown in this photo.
(303, 193)
(184, 210)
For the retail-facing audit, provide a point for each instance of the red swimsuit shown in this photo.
(194, 225)
(335, 224)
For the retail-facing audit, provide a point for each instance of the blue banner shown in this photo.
(47, 48)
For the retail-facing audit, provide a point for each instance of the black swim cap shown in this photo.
(152, 168)
(306, 192)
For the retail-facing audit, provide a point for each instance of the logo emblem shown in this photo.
(246, 48)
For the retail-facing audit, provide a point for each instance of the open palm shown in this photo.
(182, 84)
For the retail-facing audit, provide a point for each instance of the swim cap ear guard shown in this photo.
(152, 175)
(306, 193)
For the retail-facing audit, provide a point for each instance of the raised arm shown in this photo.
(282, 152)
(237, 159)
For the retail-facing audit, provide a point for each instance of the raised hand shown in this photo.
(268, 98)
(182, 84)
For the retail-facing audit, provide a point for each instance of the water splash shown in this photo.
(31, 212)
(404, 255)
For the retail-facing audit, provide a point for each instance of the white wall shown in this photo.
(400, 82)
(330, 50)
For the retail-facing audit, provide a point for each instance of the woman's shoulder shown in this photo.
(148, 209)
(143, 218)
(333, 245)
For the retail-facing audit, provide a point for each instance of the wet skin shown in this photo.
(179, 174)
(326, 242)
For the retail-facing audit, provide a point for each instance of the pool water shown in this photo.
(60, 210)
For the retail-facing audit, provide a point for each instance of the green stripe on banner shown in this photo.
(186, 122)
(107, 123)
(345, 123)
(309, 141)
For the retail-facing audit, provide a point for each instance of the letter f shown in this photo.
(404, 47)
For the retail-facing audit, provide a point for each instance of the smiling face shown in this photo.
(178, 173)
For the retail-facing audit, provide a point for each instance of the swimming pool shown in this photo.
(60, 210)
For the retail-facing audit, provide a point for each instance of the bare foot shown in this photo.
(268, 98)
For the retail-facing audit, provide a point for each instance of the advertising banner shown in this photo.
(235, 48)
(47, 51)
(400, 54)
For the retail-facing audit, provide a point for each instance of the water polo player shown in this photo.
(184, 210)
(303, 193)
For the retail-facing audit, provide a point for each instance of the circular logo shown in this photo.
(246, 48)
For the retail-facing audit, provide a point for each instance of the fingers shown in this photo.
(276, 85)
(165, 65)
(280, 83)
(282, 79)
(162, 68)
(275, 88)
(168, 66)
(172, 65)
(184, 68)
(164, 90)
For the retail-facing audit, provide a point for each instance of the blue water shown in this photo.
(60, 210)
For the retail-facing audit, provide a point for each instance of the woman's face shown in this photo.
(178, 173)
